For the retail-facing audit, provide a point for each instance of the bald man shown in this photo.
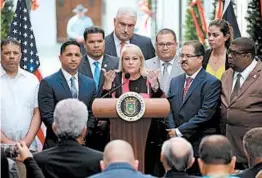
(177, 156)
(119, 161)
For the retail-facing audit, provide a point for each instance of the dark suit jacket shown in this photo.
(120, 170)
(69, 159)
(251, 172)
(53, 89)
(109, 63)
(195, 115)
(174, 174)
(143, 42)
(207, 57)
(244, 112)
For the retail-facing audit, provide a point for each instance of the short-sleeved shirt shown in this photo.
(19, 98)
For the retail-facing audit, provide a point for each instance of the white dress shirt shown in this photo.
(178, 133)
(68, 77)
(169, 67)
(19, 98)
(244, 74)
(91, 62)
(118, 44)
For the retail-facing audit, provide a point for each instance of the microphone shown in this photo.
(127, 76)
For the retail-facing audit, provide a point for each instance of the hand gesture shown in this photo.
(153, 77)
(23, 151)
(109, 78)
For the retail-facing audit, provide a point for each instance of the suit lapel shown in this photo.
(87, 67)
(228, 85)
(81, 87)
(175, 71)
(200, 76)
(111, 45)
(181, 90)
(64, 83)
(250, 79)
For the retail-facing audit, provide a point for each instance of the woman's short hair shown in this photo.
(127, 47)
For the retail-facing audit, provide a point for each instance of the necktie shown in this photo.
(164, 78)
(236, 88)
(73, 87)
(188, 82)
(96, 73)
(122, 45)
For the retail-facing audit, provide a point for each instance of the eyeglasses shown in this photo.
(187, 56)
(168, 45)
(234, 53)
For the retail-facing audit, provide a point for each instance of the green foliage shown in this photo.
(190, 29)
(255, 24)
(6, 18)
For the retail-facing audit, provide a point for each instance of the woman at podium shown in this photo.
(132, 76)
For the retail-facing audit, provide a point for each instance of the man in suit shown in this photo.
(167, 62)
(216, 157)
(69, 158)
(253, 145)
(177, 156)
(194, 99)
(66, 83)
(91, 65)
(124, 25)
(119, 161)
(241, 95)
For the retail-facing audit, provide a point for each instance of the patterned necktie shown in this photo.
(164, 78)
(73, 87)
(188, 82)
(122, 45)
(96, 73)
(236, 87)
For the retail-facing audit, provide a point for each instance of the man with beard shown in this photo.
(194, 99)
(241, 96)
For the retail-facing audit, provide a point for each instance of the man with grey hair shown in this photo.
(119, 161)
(124, 25)
(252, 143)
(69, 158)
(177, 156)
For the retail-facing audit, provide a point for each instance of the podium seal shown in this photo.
(130, 106)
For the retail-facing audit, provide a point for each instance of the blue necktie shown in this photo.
(96, 73)
(73, 87)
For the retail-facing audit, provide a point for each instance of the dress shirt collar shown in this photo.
(68, 76)
(195, 74)
(20, 72)
(245, 73)
(91, 60)
(118, 42)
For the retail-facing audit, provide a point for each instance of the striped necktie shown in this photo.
(73, 87)
(164, 78)
(96, 73)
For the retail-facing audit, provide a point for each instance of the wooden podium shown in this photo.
(135, 132)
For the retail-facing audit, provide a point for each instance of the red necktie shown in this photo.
(122, 46)
(188, 82)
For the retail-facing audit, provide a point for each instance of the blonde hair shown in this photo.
(143, 70)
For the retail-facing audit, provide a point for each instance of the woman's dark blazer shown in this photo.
(207, 57)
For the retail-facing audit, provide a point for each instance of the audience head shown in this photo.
(177, 154)
(10, 55)
(241, 53)
(94, 42)
(252, 142)
(70, 56)
(132, 61)
(259, 174)
(125, 22)
(70, 118)
(119, 151)
(220, 33)
(191, 56)
(166, 44)
(216, 155)
(4, 165)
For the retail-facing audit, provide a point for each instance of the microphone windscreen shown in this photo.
(127, 76)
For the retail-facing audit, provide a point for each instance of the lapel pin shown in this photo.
(105, 65)
(255, 76)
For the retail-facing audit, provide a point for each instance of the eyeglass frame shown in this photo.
(234, 52)
(168, 45)
(186, 56)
